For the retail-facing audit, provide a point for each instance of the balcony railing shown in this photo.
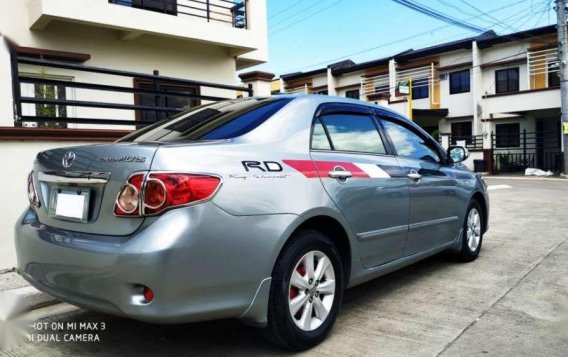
(543, 67)
(376, 86)
(116, 98)
(233, 13)
(305, 89)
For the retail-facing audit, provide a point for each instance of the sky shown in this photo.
(308, 34)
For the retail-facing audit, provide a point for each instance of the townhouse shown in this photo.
(78, 72)
(498, 95)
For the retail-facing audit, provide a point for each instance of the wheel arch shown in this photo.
(331, 226)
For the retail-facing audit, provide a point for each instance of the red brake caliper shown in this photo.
(294, 290)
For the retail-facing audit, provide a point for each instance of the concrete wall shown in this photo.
(16, 162)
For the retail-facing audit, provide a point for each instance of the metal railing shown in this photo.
(225, 11)
(514, 152)
(305, 89)
(376, 85)
(145, 99)
(540, 64)
(472, 142)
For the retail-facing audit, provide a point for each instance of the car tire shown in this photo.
(310, 294)
(472, 233)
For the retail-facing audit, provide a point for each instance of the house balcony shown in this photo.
(237, 25)
(522, 101)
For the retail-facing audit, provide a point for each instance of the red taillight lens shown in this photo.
(162, 191)
(32, 192)
(128, 200)
(180, 189)
(148, 294)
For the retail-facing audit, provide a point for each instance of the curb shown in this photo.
(23, 300)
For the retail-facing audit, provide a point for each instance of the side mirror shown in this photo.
(458, 153)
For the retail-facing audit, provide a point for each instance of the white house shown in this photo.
(72, 69)
(498, 94)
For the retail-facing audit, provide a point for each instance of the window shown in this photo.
(459, 82)
(353, 94)
(553, 71)
(164, 6)
(461, 131)
(223, 120)
(508, 135)
(177, 100)
(319, 137)
(420, 88)
(353, 133)
(409, 144)
(507, 80)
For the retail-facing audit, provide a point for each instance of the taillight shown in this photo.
(162, 191)
(128, 200)
(32, 192)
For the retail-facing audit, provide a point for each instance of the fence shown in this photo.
(155, 97)
(224, 11)
(514, 152)
(472, 142)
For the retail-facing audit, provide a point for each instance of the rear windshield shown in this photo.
(223, 120)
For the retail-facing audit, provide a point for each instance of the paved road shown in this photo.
(511, 301)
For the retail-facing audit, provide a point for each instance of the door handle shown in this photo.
(340, 174)
(414, 176)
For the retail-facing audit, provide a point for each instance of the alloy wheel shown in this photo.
(473, 233)
(311, 290)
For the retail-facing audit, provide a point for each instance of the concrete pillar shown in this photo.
(6, 100)
(259, 80)
(331, 84)
(392, 78)
(477, 91)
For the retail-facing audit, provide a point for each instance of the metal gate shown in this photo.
(518, 151)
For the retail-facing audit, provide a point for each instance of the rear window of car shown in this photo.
(223, 120)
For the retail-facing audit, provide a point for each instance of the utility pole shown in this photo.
(563, 73)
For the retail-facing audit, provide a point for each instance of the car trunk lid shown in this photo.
(78, 186)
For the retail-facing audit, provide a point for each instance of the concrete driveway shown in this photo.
(512, 301)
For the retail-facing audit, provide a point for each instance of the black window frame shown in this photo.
(552, 78)
(511, 139)
(458, 81)
(421, 88)
(511, 85)
(454, 137)
(358, 91)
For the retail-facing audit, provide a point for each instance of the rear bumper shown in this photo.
(201, 262)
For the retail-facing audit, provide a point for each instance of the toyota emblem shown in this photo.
(68, 159)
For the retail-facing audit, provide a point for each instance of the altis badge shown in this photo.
(126, 158)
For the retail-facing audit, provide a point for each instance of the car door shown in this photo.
(355, 167)
(433, 188)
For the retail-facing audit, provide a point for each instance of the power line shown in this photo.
(285, 9)
(302, 11)
(400, 40)
(307, 17)
(428, 11)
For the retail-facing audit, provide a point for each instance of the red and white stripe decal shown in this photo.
(314, 169)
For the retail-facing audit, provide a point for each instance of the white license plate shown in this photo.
(71, 205)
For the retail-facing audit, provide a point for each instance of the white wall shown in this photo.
(16, 162)
(6, 107)
(172, 57)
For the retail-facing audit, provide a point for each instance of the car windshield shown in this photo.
(223, 120)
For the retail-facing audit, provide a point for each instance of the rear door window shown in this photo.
(223, 120)
(349, 132)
